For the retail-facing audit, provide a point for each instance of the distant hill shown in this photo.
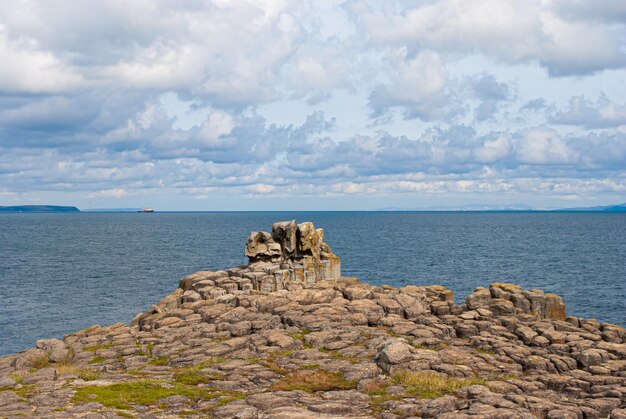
(38, 208)
(466, 207)
(607, 208)
(509, 208)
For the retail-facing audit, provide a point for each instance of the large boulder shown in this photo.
(260, 244)
(310, 239)
(285, 233)
(481, 297)
(292, 256)
(394, 352)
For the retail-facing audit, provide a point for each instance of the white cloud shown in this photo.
(509, 30)
(604, 113)
(493, 150)
(25, 69)
(116, 99)
(604, 10)
(544, 146)
(417, 84)
(110, 193)
(261, 188)
(215, 127)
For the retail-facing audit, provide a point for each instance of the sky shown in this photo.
(312, 105)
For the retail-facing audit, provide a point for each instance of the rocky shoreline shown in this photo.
(287, 336)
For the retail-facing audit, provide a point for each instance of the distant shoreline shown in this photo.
(616, 208)
(39, 209)
(555, 211)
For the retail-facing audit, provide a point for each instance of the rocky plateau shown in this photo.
(287, 336)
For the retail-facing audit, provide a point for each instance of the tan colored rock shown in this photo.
(554, 308)
(310, 240)
(285, 233)
(261, 244)
(292, 256)
(481, 297)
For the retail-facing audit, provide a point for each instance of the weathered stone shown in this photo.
(590, 357)
(554, 307)
(525, 333)
(291, 256)
(618, 414)
(481, 297)
(44, 374)
(261, 244)
(285, 233)
(439, 406)
(394, 352)
(7, 382)
(56, 349)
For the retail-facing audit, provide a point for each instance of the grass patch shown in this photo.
(18, 376)
(193, 375)
(310, 381)
(389, 331)
(139, 373)
(377, 390)
(97, 360)
(430, 348)
(123, 395)
(94, 348)
(300, 336)
(41, 361)
(23, 391)
(376, 387)
(338, 355)
(162, 360)
(86, 374)
(484, 351)
(272, 361)
(428, 385)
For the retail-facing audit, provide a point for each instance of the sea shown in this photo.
(62, 272)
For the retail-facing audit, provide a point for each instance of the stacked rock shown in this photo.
(292, 253)
(291, 256)
(511, 299)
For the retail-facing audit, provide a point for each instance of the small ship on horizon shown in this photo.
(146, 209)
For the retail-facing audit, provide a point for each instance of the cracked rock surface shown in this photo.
(326, 346)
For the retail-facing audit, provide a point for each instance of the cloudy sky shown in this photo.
(322, 104)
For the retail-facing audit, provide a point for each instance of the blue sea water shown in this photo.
(63, 272)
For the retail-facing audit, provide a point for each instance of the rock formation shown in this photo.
(248, 343)
(291, 255)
